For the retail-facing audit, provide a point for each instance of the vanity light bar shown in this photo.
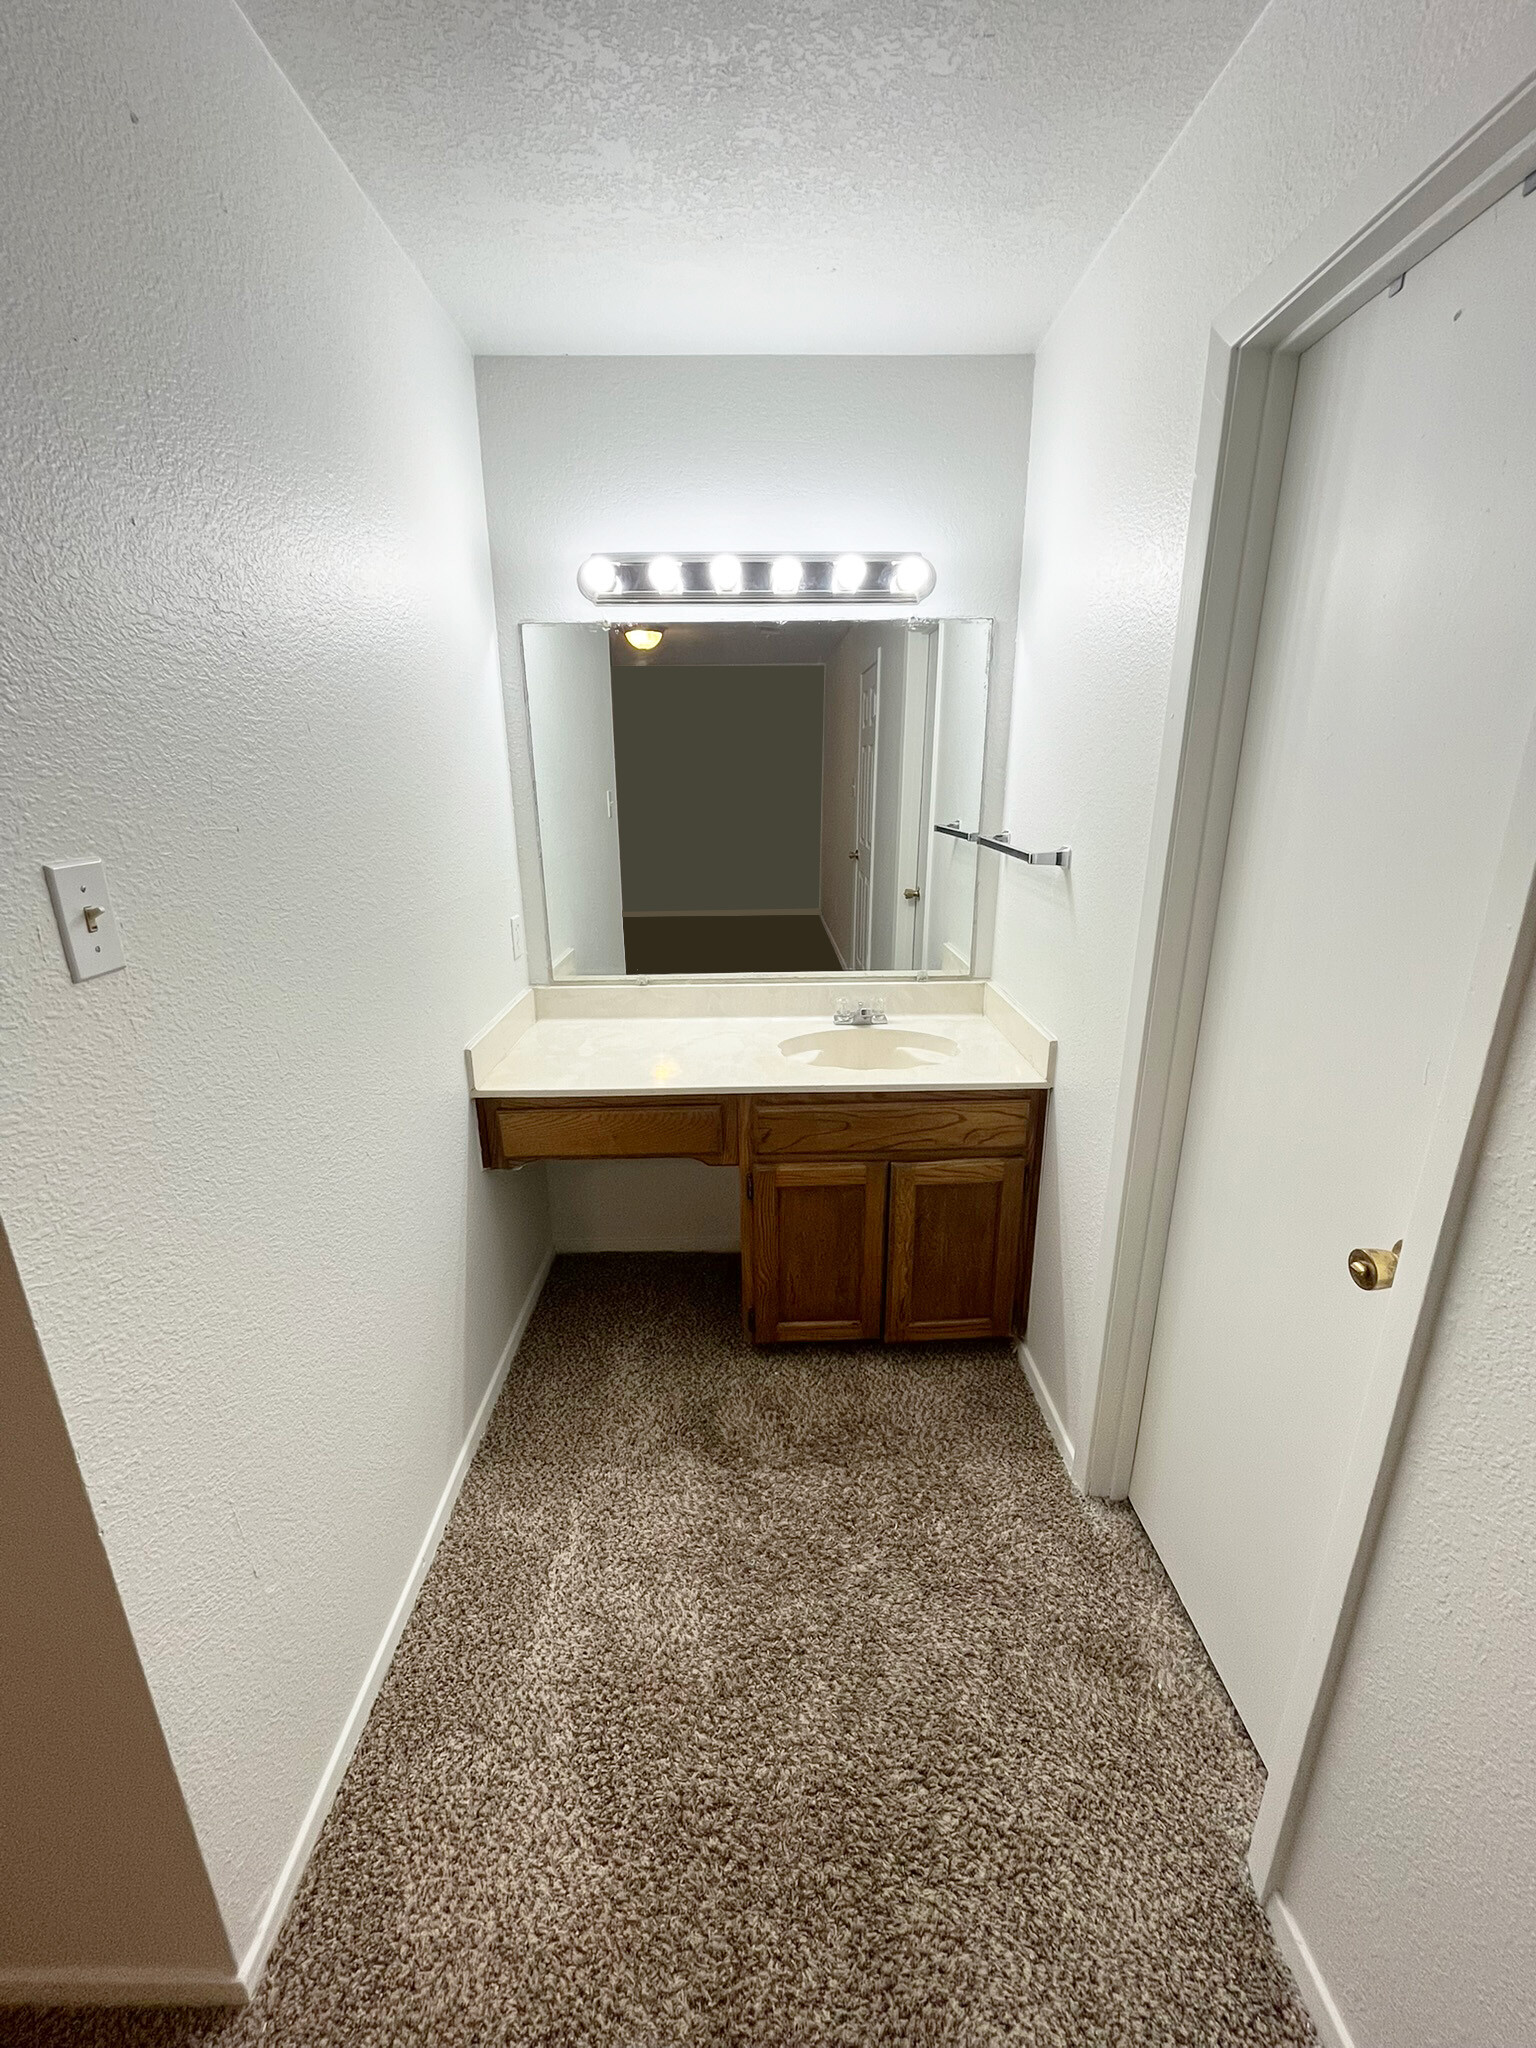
(756, 579)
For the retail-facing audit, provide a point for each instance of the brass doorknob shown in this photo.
(1372, 1268)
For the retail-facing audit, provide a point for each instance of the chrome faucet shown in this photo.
(859, 1013)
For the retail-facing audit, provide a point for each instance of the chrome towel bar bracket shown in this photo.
(998, 842)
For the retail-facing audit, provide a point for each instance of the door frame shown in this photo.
(919, 690)
(861, 939)
(1405, 206)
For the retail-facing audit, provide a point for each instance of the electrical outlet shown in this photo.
(92, 943)
(517, 938)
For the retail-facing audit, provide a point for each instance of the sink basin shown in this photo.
(866, 1048)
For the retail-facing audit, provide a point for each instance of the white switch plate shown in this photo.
(78, 886)
(517, 938)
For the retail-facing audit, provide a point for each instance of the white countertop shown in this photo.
(723, 1037)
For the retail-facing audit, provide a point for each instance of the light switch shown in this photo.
(83, 908)
(610, 803)
(517, 938)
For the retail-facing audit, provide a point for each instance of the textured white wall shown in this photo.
(1313, 94)
(1414, 1868)
(247, 652)
(1413, 1879)
(583, 453)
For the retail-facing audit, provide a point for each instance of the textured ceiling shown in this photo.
(805, 176)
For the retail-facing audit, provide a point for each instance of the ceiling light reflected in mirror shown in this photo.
(757, 795)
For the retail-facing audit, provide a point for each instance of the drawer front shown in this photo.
(512, 1132)
(928, 1127)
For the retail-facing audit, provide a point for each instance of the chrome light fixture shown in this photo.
(846, 578)
(597, 578)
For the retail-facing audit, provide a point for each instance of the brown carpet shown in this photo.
(785, 1697)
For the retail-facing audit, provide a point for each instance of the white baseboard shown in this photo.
(1315, 1995)
(1045, 1404)
(120, 1984)
(336, 1769)
(837, 949)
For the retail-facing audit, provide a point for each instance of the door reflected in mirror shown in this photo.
(758, 798)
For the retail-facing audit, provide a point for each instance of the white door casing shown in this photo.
(1391, 695)
(864, 813)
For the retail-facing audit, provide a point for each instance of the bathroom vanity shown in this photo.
(889, 1171)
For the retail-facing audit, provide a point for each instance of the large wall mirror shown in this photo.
(739, 799)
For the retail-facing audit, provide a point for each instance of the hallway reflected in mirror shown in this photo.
(719, 798)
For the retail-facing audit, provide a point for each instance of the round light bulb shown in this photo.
(665, 574)
(912, 576)
(725, 573)
(597, 577)
(848, 573)
(786, 575)
(643, 638)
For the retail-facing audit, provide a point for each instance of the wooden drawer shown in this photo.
(892, 1127)
(605, 1128)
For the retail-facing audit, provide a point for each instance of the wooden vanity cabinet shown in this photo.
(924, 1234)
(904, 1216)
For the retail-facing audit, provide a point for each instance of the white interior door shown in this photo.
(1392, 693)
(864, 813)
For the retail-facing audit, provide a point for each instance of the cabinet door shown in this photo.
(818, 1251)
(954, 1248)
